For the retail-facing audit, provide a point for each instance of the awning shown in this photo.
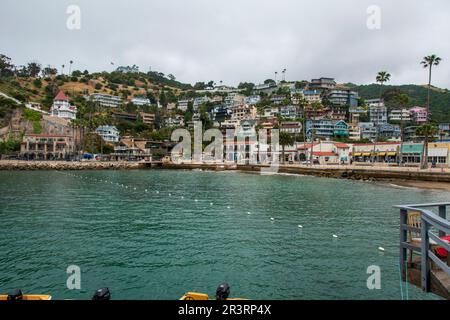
(392, 154)
(357, 154)
(366, 154)
(382, 154)
(438, 152)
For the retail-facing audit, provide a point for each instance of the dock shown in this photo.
(422, 227)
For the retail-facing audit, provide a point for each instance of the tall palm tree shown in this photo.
(427, 131)
(429, 62)
(314, 107)
(70, 67)
(276, 73)
(62, 69)
(382, 77)
(285, 140)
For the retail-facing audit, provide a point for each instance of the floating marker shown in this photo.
(335, 236)
(134, 188)
(157, 191)
(381, 249)
(146, 190)
(300, 226)
(249, 212)
(211, 203)
(228, 207)
(273, 219)
(196, 200)
(182, 197)
(170, 194)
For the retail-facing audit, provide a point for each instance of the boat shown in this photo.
(222, 294)
(17, 295)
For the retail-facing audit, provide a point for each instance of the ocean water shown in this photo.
(193, 230)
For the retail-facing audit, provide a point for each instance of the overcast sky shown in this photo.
(234, 40)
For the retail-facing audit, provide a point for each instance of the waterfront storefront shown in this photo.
(412, 153)
(383, 152)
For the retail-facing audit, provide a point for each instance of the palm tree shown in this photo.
(427, 131)
(62, 69)
(429, 62)
(382, 77)
(276, 73)
(285, 140)
(70, 67)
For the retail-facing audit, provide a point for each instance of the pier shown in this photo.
(423, 228)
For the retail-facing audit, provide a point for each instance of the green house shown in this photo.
(340, 129)
(412, 152)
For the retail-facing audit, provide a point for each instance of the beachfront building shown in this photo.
(325, 152)
(47, 147)
(61, 107)
(323, 128)
(340, 129)
(354, 132)
(106, 100)
(108, 133)
(400, 115)
(183, 104)
(141, 101)
(412, 153)
(419, 115)
(438, 154)
(382, 152)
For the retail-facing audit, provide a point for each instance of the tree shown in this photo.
(70, 66)
(429, 62)
(382, 77)
(62, 69)
(49, 71)
(427, 131)
(285, 140)
(6, 67)
(34, 69)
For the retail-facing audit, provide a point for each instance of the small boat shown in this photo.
(17, 295)
(222, 293)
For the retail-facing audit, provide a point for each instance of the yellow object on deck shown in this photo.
(29, 297)
(392, 154)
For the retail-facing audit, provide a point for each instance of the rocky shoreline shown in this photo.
(68, 165)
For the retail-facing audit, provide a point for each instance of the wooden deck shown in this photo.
(439, 280)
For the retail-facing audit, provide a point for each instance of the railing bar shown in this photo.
(436, 222)
(426, 205)
(439, 241)
(439, 262)
(408, 246)
(409, 228)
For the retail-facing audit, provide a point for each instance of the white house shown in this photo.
(108, 133)
(139, 101)
(61, 107)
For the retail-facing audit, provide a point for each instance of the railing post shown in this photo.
(425, 266)
(443, 215)
(403, 239)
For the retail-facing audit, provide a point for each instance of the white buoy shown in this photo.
(228, 207)
(196, 200)
(170, 194)
(211, 203)
(381, 249)
(300, 226)
(182, 197)
(146, 190)
(335, 236)
(157, 191)
(273, 219)
(249, 212)
(134, 188)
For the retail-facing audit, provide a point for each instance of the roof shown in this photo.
(61, 96)
(324, 154)
(341, 145)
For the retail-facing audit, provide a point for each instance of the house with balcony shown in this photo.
(322, 84)
(106, 100)
(291, 127)
(289, 112)
(141, 101)
(419, 115)
(108, 133)
(378, 114)
(340, 129)
(61, 107)
(400, 115)
(312, 96)
(47, 147)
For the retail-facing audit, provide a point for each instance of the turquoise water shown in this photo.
(162, 243)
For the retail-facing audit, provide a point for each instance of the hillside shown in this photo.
(440, 98)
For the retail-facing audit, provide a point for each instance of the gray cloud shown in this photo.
(233, 41)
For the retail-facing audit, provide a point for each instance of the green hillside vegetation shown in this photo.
(440, 98)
